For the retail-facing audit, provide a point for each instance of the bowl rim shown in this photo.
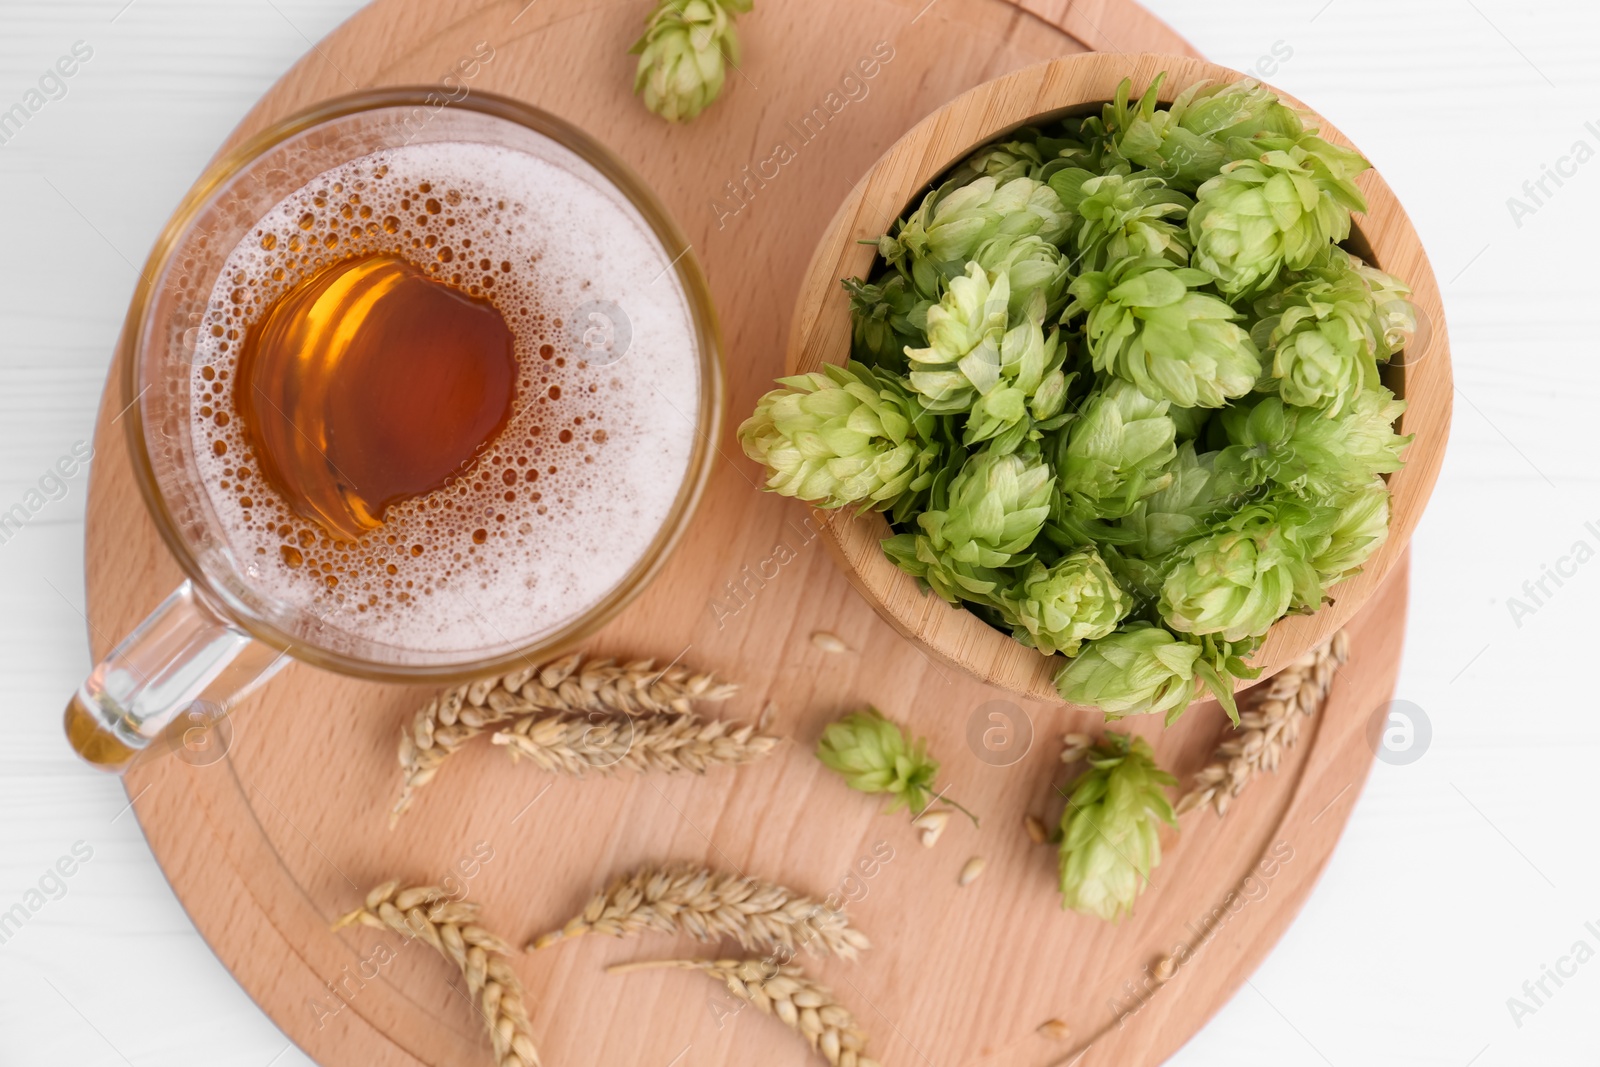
(820, 333)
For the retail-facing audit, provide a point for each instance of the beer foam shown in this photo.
(569, 497)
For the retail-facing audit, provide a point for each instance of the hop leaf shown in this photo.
(1188, 142)
(1312, 456)
(1237, 581)
(1057, 608)
(1148, 325)
(1123, 216)
(1276, 210)
(887, 317)
(954, 220)
(1110, 839)
(683, 55)
(1117, 451)
(846, 435)
(1138, 670)
(1221, 662)
(874, 756)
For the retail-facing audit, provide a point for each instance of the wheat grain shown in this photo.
(451, 719)
(1055, 1030)
(1268, 726)
(451, 927)
(970, 871)
(930, 826)
(573, 743)
(829, 642)
(797, 1001)
(708, 905)
(1075, 746)
(1035, 827)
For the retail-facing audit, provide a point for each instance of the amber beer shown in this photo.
(402, 412)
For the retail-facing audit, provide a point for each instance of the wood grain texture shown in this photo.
(266, 847)
(896, 182)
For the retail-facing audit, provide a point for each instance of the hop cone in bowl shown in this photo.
(953, 222)
(1149, 324)
(841, 436)
(1118, 450)
(991, 514)
(1278, 209)
(1057, 608)
(1238, 581)
(1188, 142)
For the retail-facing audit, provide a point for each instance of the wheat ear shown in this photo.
(567, 743)
(801, 1004)
(450, 926)
(1268, 726)
(710, 905)
(456, 716)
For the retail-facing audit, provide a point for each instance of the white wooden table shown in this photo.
(1462, 876)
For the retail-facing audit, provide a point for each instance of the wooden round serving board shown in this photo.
(267, 846)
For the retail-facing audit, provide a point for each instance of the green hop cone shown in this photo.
(1276, 210)
(997, 505)
(1147, 324)
(1021, 158)
(842, 436)
(874, 756)
(1117, 451)
(1194, 496)
(1362, 527)
(1139, 670)
(1028, 388)
(1396, 315)
(1057, 608)
(989, 516)
(1110, 830)
(887, 317)
(951, 579)
(954, 220)
(1031, 265)
(1309, 454)
(1031, 153)
(684, 53)
(965, 329)
(1187, 143)
(1122, 216)
(1328, 332)
(1238, 580)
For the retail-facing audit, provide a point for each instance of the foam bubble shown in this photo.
(568, 498)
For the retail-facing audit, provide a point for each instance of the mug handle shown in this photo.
(184, 657)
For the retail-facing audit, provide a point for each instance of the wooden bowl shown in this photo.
(1079, 85)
